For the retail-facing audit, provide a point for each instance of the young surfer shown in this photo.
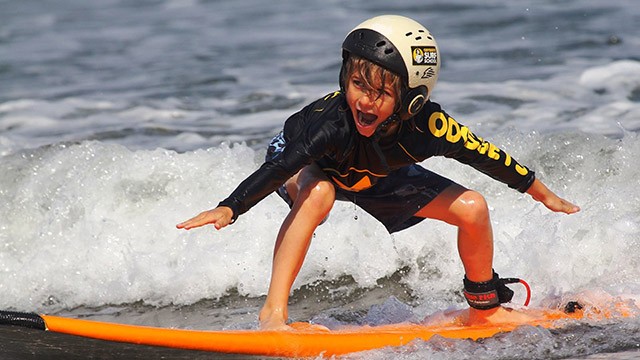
(362, 144)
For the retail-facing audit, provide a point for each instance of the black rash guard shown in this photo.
(324, 132)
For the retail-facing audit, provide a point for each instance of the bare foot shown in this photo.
(305, 326)
(447, 318)
(276, 325)
(273, 320)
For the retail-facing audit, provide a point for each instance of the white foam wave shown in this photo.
(93, 224)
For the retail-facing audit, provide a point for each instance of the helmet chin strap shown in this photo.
(380, 131)
(382, 128)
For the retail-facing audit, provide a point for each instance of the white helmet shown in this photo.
(400, 45)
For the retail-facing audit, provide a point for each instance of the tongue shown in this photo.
(368, 119)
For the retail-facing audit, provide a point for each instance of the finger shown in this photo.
(221, 222)
(193, 222)
(185, 225)
(571, 209)
(568, 207)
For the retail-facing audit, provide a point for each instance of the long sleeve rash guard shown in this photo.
(324, 132)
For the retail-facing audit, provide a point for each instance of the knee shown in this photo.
(473, 209)
(318, 195)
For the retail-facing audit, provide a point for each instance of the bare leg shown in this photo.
(468, 210)
(313, 197)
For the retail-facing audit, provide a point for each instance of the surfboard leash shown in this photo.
(23, 319)
(515, 281)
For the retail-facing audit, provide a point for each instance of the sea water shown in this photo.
(120, 119)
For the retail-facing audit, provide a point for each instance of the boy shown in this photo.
(362, 144)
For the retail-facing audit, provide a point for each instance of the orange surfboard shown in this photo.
(305, 340)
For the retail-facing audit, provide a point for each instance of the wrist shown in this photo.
(538, 191)
(230, 210)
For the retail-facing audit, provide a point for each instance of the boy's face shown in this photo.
(370, 105)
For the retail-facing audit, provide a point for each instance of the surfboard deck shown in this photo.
(305, 340)
(18, 343)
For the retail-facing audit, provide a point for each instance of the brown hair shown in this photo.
(371, 74)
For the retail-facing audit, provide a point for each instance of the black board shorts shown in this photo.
(393, 200)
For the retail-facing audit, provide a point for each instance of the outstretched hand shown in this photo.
(552, 201)
(561, 205)
(219, 217)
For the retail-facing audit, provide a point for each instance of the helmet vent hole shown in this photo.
(388, 51)
(381, 43)
(408, 34)
(418, 37)
(421, 30)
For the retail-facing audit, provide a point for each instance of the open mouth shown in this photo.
(366, 119)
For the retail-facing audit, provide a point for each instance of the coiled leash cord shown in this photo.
(526, 286)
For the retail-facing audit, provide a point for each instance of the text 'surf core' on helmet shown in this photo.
(403, 46)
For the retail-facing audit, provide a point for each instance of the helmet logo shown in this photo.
(424, 55)
(429, 73)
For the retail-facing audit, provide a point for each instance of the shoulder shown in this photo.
(429, 109)
(334, 101)
(328, 112)
(431, 119)
(438, 128)
(321, 126)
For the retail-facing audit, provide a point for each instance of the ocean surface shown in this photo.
(120, 119)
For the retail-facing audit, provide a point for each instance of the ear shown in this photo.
(414, 99)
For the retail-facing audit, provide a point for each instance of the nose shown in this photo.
(368, 99)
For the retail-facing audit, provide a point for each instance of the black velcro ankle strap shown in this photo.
(482, 295)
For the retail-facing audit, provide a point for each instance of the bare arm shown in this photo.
(553, 202)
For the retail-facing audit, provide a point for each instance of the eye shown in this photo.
(357, 82)
(386, 92)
